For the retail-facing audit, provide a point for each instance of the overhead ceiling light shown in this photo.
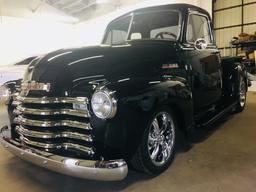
(102, 1)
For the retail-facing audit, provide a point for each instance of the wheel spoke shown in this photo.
(151, 141)
(161, 138)
(164, 123)
(152, 138)
(155, 152)
(242, 93)
(156, 126)
(168, 148)
(165, 154)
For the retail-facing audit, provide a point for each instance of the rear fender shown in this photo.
(232, 70)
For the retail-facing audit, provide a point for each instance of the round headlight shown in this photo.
(103, 104)
(4, 95)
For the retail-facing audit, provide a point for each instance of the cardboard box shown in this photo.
(242, 54)
(251, 56)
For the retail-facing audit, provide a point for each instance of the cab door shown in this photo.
(202, 61)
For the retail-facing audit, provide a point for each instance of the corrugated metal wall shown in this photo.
(232, 17)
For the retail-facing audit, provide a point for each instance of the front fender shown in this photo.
(126, 129)
(137, 99)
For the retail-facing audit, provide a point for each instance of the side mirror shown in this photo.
(200, 44)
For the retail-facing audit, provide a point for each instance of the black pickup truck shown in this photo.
(89, 112)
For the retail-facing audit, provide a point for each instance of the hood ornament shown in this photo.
(26, 87)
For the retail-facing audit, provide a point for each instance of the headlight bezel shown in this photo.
(110, 95)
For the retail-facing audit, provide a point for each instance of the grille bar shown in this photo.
(84, 149)
(55, 123)
(46, 135)
(47, 112)
(53, 100)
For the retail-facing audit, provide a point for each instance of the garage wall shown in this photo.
(22, 38)
(29, 28)
(233, 17)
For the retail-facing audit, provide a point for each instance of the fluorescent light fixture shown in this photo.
(102, 1)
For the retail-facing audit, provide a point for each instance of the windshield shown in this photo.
(164, 25)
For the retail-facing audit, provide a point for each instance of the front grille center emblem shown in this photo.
(26, 87)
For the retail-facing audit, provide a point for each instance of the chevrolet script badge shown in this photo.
(32, 85)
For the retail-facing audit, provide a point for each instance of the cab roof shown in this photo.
(182, 7)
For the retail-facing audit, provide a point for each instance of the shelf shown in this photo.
(244, 43)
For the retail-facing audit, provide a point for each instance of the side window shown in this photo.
(198, 28)
(118, 31)
(116, 36)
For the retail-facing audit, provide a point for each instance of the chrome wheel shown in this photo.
(242, 93)
(161, 138)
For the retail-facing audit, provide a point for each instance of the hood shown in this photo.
(66, 69)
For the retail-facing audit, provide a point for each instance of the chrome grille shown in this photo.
(52, 124)
(46, 112)
(53, 100)
(46, 135)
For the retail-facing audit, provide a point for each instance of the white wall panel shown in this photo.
(250, 13)
(232, 16)
(30, 28)
(220, 4)
(206, 4)
(250, 29)
(22, 38)
(224, 36)
(228, 17)
(227, 52)
(249, 1)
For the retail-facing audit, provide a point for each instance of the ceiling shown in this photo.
(82, 8)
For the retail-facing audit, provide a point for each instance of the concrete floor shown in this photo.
(253, 87)
(225, 160)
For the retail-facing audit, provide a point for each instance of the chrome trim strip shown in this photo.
(46, 135)
(47, 112)
(112, 170)
(48, 146)
(56, 123)
(53, 100)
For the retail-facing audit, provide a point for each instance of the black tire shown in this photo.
(142, 160)
(240, 95)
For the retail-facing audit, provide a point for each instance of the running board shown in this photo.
(218, 116)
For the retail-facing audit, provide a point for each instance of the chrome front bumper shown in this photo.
(96, 170)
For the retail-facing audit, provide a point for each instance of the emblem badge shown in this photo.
(35, 86)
